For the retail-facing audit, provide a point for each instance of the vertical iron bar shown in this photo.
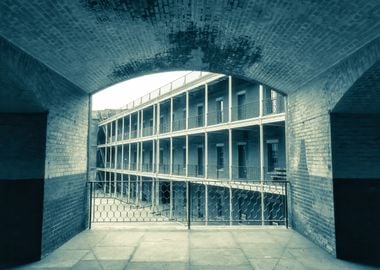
(188, 204)
(91, 197)
(286, 205)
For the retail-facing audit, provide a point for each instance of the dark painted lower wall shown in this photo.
(357, 219)
(21, 220)
(65, 210)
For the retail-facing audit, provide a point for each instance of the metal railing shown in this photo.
(196, 170)
(217, 117)
(274, 105)
(196, 121)
(249, 110)
(245, 173)
(166, 89)
(179, 169)
(134, 199)
(148, 131)
(179, 124)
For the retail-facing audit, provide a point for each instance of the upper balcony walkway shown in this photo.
(111, 246)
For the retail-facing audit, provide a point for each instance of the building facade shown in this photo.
(208, 147)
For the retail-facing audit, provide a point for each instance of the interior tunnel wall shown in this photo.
(309, 157)
(65, 165)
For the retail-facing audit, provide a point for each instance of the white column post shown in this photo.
(171, 200)
(261, 98)
(187, 109)
(206, 104)
(122, 128)
(229, 98)
(230, 154)
(158, 157)
(152, 195)
(206, 155)
(116, 129)
(230, 204)
(154, 120)
(206, 204)
(106, 133)
(262, 171)
(105, 167)
(158, 118)
(142, 124)
(171, 115)
(138, 124)
(129, 156)
(171, 155)
(187, 155)
(115, 174)
(130, 126)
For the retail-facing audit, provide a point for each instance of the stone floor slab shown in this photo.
(172, 251)
(212, 240)
(122, 238)
(221, 257)
(113, 253)
(157, 266)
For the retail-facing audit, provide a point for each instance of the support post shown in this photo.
(171, 114)
(230, 154)
(171, 155)
(206, 104)
(230, 205)
(206, 155)
(229, 98)
(206, 204)
(187, 109)
(171, 200)
(187, 156)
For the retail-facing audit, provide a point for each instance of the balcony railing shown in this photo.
(244, 173)
(148, 131)
(147, 167)
(164, 168)
(249, 110)
(274, 105)
(179, 169)
(217, 117)
(179, 124)
(196, 170)
(214, 172)
(196, 121)
(164, 128)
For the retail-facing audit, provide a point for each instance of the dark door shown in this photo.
(200, 116)
(242, 161)
(200, 161)
(241, 106)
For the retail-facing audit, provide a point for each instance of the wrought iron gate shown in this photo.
(139, 199)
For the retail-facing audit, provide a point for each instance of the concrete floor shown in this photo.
(173, 247)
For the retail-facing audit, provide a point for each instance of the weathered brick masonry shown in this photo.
(310, 168)
(38, 88)
(314, 51)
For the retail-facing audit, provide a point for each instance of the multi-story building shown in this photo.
(215, 140)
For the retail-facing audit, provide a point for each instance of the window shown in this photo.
(184, 157)
(220, 157)
(219, 110)
(272, 146)
(241, 108)
(200, 116)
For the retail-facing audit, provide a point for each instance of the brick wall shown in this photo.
(309, 148)
(35, 87)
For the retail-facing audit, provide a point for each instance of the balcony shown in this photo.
(246, 111)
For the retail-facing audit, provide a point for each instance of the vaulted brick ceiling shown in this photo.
(96, 43)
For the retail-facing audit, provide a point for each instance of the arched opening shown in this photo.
(202, 141)
(355, 136)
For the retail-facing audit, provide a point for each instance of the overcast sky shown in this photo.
(120, 94)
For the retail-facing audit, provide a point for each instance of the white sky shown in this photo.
(118, 95)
